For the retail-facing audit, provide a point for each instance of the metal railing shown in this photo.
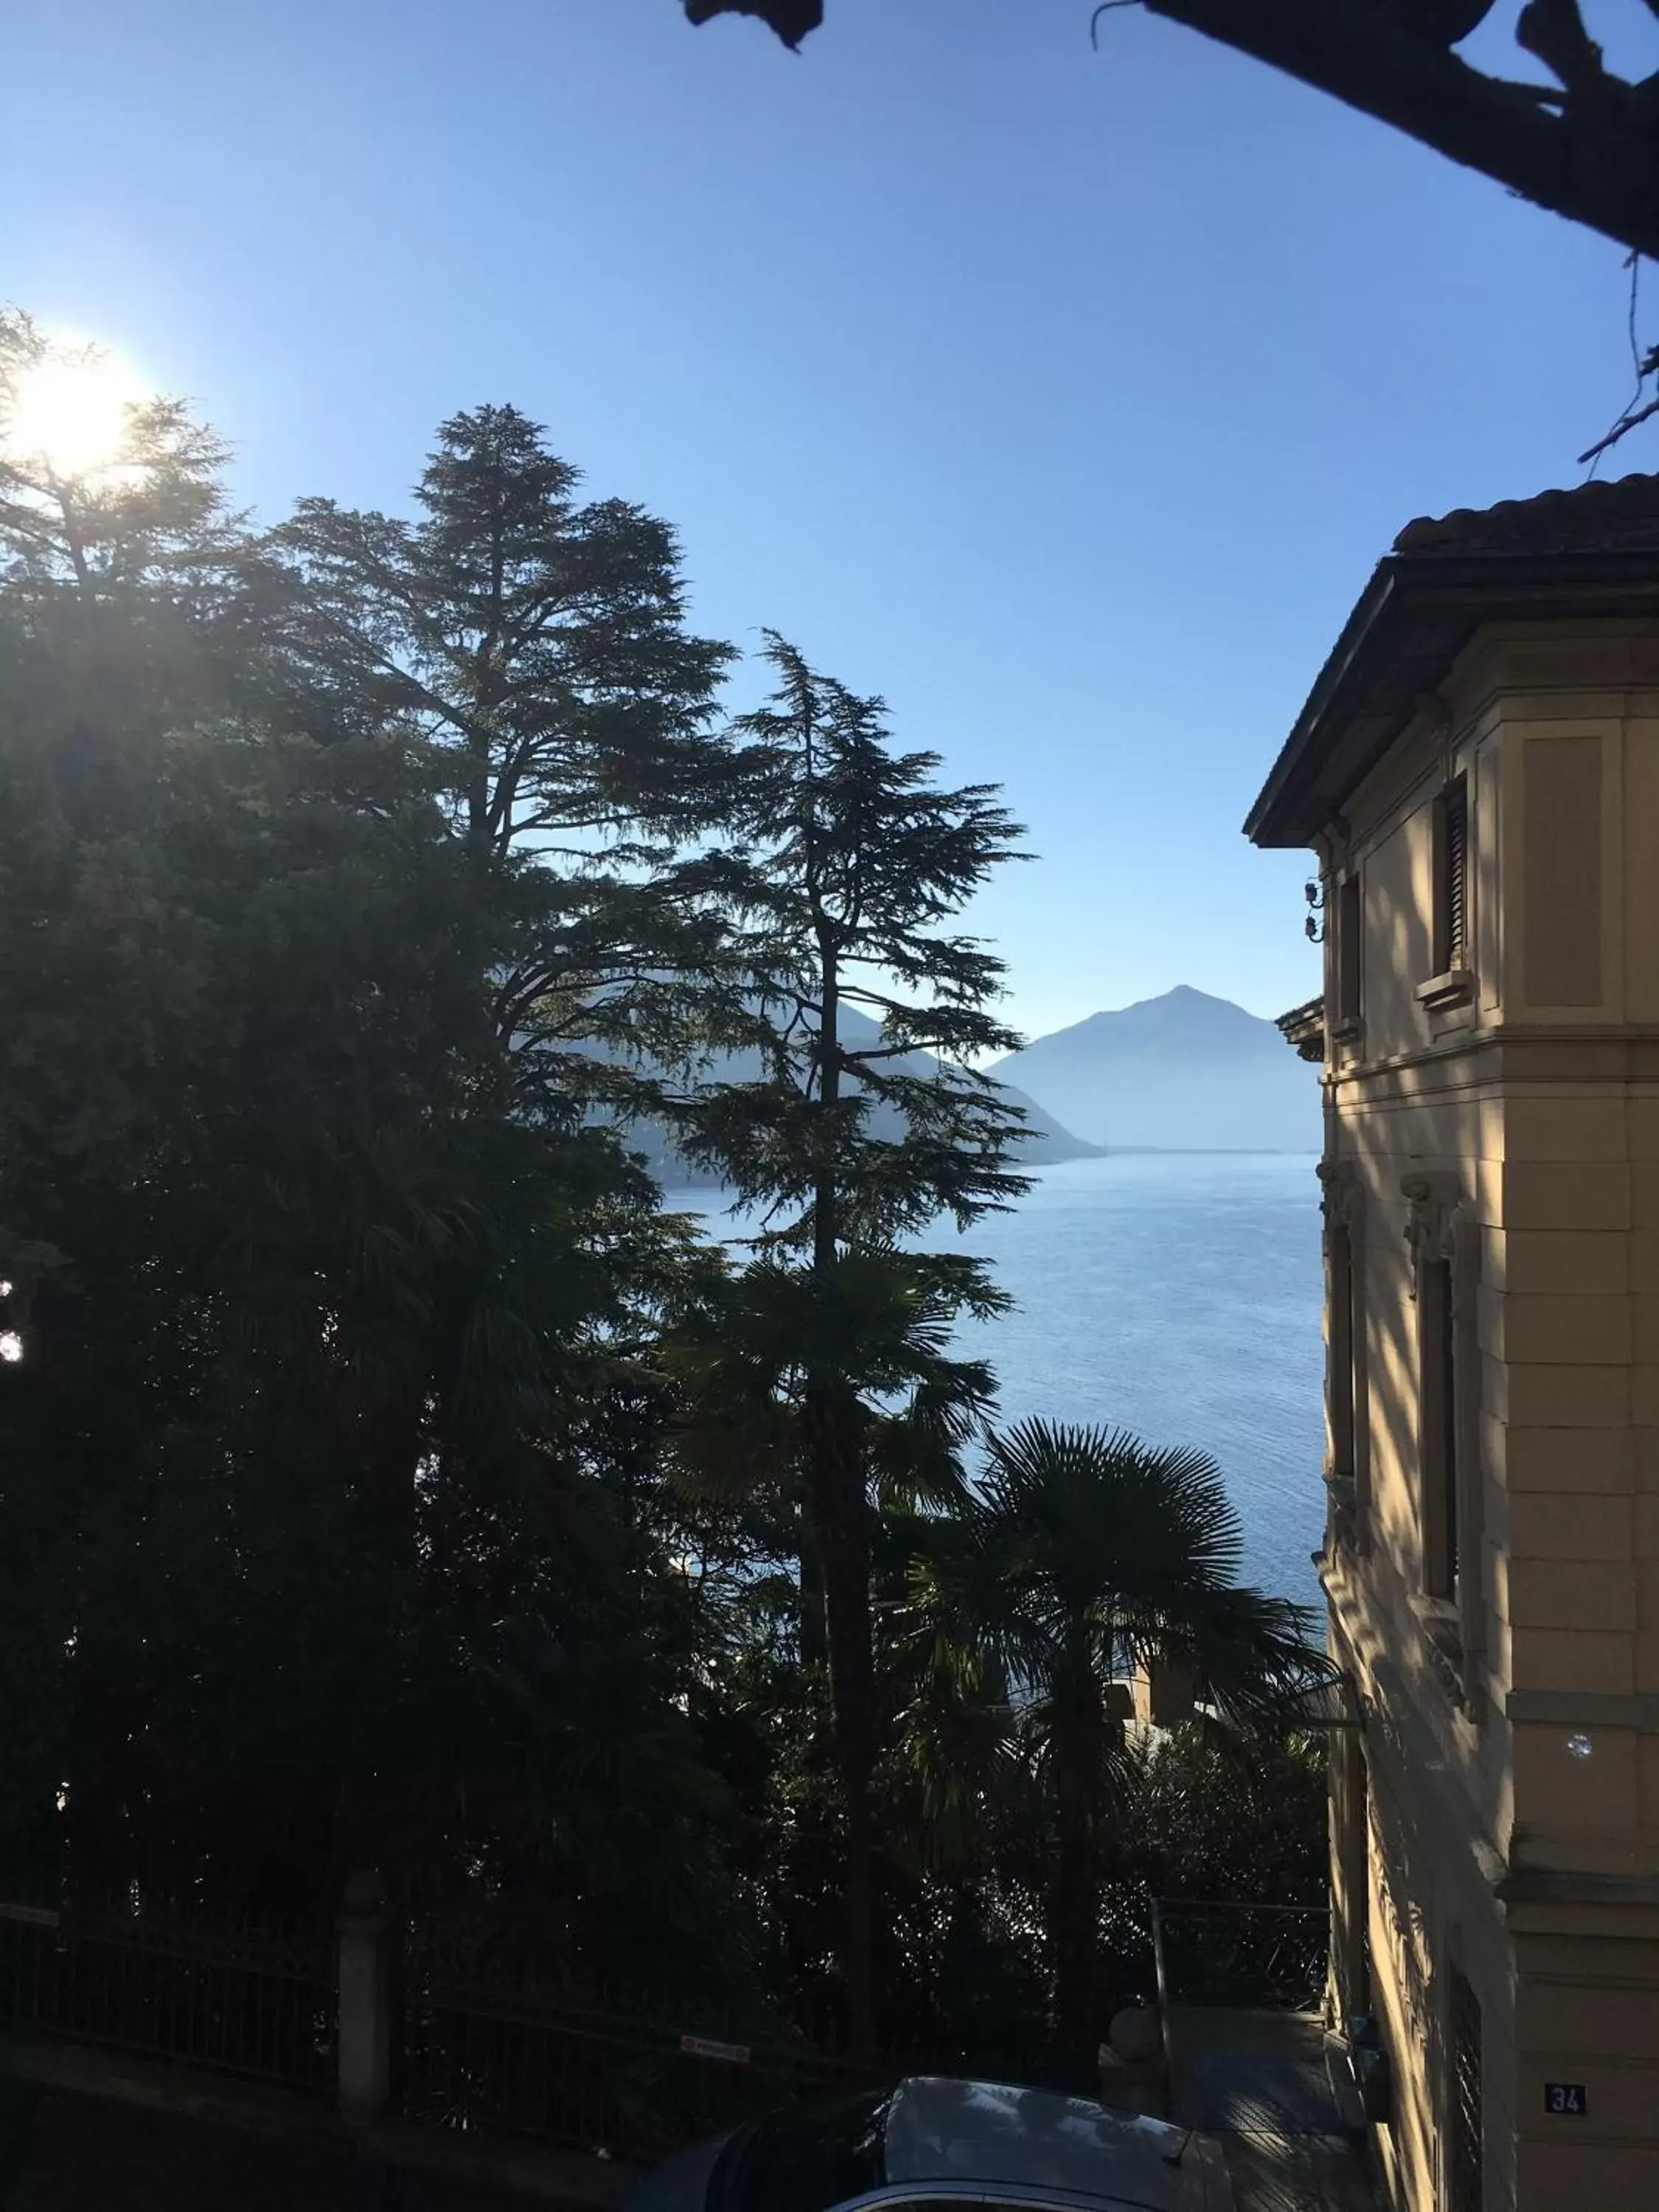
(472, 2049)
(1267, 1956)
(231, 1996)
(473, 2055)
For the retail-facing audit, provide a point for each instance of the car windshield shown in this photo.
(807, 2159)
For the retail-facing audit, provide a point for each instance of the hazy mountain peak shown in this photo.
(1044, 1144)
(1187, 992)
(1185, 1070)
(1186, 997)
(1182, 1008)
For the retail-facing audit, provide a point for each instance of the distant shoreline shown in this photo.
(1203, 1151)
(1101, 1152)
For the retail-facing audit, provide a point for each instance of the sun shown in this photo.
(69, 411)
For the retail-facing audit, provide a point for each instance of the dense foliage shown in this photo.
(385, 1477)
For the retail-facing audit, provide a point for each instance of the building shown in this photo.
(1477, 770)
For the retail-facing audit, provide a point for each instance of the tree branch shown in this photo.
(1598, 165)
(1554, 31)
(1621, 429)
(1597, 162)
(790, 19)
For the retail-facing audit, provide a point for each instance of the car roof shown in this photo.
(939, 2129)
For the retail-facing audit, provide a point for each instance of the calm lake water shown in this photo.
(1177, 1295)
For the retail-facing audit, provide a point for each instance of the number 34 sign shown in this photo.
(1565, 2100)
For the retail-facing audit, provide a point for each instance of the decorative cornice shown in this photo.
(1304, 1029)
(1539, 1885)
(1342, 1518)
(1342, 1194)
(1584, 1709)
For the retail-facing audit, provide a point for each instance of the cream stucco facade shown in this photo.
(1477, 774)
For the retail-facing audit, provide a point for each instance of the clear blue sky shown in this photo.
(1064, 398)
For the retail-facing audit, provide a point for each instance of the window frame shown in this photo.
(1451, 897)
(1465, 2113)
(1452, 983)
(1443, 1235)
(1440, 1454)
(1347, 962)
(950, 2195)
(1346, 1352)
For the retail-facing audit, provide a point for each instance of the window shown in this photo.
(1442, 1535)
(1349, 1870)
(1348, 951)
(931, 2203)
(1346, 1322)
(1346, 1390)
(803, 2159)
(1354, 1360)
(1465, 2130)
(1347, 1466)
(1451, 1600)
(1451, 890)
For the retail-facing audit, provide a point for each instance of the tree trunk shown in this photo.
(1075, 1939)
(836, 1490)
(813, 1636)
(839, 1515)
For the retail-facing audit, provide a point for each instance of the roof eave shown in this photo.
(1266, 822)
(1291, 807)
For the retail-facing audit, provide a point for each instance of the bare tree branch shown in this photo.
(1621, 428)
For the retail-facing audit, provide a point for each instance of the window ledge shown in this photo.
(1349, 1026)
(1455, 988)
(1439, 1615)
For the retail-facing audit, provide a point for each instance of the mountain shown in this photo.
(1046, 1143)
(1185, 1073)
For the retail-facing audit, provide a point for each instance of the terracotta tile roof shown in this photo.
(1620, 516)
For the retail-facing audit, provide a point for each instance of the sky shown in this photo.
(1064, 398)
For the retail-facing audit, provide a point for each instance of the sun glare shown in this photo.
(69, 412)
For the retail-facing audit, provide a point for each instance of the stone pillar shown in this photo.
(365, 1991)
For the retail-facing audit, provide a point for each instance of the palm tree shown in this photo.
(1082, 1556)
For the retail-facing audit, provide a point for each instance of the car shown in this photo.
(935, 2144)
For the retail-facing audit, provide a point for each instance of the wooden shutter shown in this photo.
(1454, 876)
(1348, 924)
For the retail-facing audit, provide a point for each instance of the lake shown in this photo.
(1179, 1295)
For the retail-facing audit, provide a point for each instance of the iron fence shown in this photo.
(233, 1997)
(473, 2055)
(472, 2049)
(1271, 1957)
